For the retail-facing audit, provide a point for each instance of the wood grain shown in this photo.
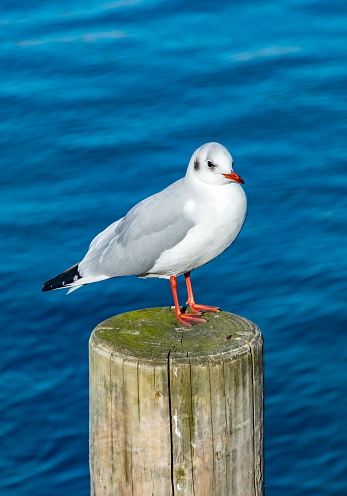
(176, 410)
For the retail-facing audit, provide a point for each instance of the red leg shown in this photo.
(197, 309)
(185, 318)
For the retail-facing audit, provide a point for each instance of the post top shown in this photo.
(154, 333)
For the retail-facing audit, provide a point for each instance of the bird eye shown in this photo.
(210, 164)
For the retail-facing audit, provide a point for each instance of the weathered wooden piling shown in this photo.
(176, 410)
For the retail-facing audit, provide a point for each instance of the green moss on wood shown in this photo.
(153, 333)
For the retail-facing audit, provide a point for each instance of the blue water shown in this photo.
(103, 105)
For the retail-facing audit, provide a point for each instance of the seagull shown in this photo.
(171, 233)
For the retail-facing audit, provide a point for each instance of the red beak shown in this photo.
(234, 177)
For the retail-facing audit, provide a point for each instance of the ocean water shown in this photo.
(102, 104)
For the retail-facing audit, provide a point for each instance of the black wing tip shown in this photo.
(63, 280)
(46, 287)
(49, 285)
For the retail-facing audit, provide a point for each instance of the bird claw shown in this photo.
(199, 309)
(189, 319)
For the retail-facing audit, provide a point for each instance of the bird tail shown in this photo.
(65, 279)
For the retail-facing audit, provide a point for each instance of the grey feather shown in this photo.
(131, 245)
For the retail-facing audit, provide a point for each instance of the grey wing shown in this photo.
(131, 245)
(90, 265)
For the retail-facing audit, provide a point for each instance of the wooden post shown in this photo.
(176, 410)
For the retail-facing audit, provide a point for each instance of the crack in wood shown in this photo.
(190, 425)
(257, 469)
(170, 417)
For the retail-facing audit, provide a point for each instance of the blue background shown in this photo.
(103, 105)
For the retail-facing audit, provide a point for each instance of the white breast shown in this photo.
(218, 213)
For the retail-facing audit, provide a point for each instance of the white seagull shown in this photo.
(170, 233)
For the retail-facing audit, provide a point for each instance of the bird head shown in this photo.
(213, 164)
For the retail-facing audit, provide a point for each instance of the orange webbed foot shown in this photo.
(189, 319)
(199, 309)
